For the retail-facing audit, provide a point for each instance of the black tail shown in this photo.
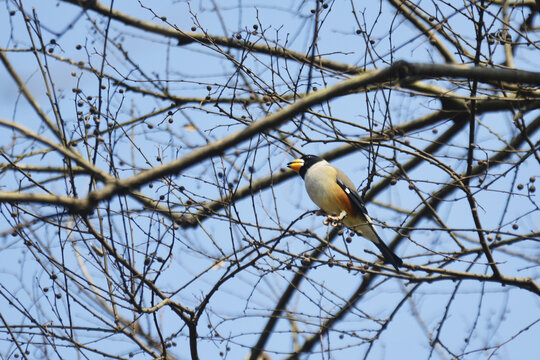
(388, 255)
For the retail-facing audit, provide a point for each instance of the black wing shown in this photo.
(388, 255)
(353, 196)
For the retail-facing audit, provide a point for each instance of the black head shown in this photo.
(302, 164)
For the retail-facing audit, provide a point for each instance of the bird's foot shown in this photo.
(334, 220)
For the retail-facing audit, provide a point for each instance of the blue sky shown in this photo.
(240, 309)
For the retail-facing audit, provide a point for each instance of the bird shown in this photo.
(332, 191)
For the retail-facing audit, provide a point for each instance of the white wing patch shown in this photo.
(368, 219)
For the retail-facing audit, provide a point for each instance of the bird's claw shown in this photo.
(334, 220)
(330, 221)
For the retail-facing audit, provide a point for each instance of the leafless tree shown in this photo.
(147, 211)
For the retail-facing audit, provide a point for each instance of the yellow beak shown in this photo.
(296, 164)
